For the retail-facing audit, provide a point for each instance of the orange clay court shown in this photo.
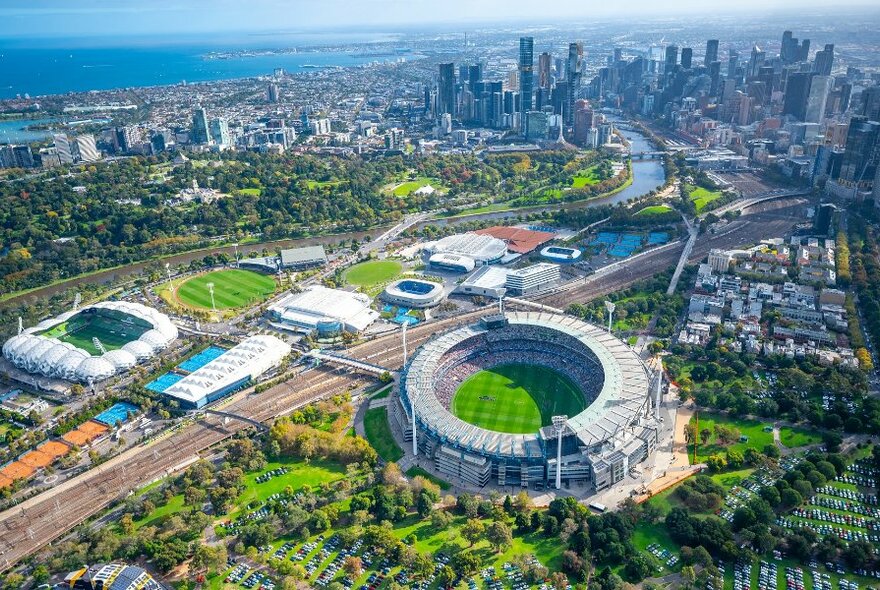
(54, 449)
(16, 470)
(86, 433)
(36, 459)
(5, 482)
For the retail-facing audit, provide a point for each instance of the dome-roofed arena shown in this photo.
(93, 343)
(486, 395)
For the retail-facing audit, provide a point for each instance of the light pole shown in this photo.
(559, 427)
(235, 245)
(211, 291)
(609, 307)
(168, 271)
(403, 326)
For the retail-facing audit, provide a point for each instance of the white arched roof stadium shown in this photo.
(35, 352)
(483, 249)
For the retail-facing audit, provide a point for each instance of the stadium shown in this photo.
(93, 343)
(486, 395)
(560, 254)
(413, 293)
(482, 249)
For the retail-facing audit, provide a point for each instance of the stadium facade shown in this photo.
(482, 249)
(414, 293)
(127, 333)
(617, 430)
(231, 371)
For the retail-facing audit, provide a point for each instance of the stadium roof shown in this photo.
(622, 397)
(246, 360)
(35, 352)
(519, 240)
(482, 248)
(319, 304)
(303, 256)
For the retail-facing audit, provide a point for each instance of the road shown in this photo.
(39, 520)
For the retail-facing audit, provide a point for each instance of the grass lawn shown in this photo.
(250, 192)
(405, 188)
(372, 272)
(654, 210)
(313, 184)
(584, 178)
(701, 196)
(299, 474)
(798, 437)
(379, 435)
(516, 398)
(758, 438)
(382, 393)
(414, 471)
(233, 288)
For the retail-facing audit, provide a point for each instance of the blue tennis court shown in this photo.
(197, 361)
(116, 413)
(605, 238)
(658, 237)
(163, 382)
(620, 251)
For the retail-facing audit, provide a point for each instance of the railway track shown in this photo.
(38, 521)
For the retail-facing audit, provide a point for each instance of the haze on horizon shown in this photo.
(86, 18)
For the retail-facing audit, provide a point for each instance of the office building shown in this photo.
(870, 108)
(671, 59)
(446, 89)
(711, 52)
(756, 62)
(532, 279)
(526, 74)
(85, 149)
(537, 125)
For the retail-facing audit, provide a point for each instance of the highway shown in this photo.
(34, 523)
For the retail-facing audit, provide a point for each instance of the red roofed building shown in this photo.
(519, 240)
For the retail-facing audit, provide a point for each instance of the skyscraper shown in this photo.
(797, 91)
(574, 68)
(86, 149)
(756, 61)
(820, 86)
(475, 74)
(671, 58)
(860, 158)
(871, 103)
(711, 52)
(732, 63)
(273, 94)
(526, 74)
(687, 56)
(544, 65)
(62, 148)
(220, 132)
(200, 132)
(446, 89)
(824, 60)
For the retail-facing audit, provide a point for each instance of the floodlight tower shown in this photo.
(501, 303)
(609, 307)
(76, 301)
(211, 290)
(559, 426)
(20, 325)
(659, 388)
(403, 326)
(168, 272)
(235, 245)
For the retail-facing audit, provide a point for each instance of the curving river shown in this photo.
(648, 175)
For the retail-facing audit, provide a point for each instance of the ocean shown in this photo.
(57, 66)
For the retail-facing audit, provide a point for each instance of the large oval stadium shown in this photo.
(486, 395)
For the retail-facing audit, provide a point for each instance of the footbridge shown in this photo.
(230, 416)
(753, 200)
(336, 358)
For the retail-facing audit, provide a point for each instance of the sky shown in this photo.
(85, 18)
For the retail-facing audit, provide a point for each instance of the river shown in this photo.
(648, 175)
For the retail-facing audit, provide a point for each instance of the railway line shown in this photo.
(40, 520)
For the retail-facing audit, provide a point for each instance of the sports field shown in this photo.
(516, 398)
(372, 272)
(233, 288)
(81, 333)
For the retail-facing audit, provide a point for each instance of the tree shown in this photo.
(209, 557)
(352, 566)
(499, 536)
(473, 530)
(441, 519)
(466, 563)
